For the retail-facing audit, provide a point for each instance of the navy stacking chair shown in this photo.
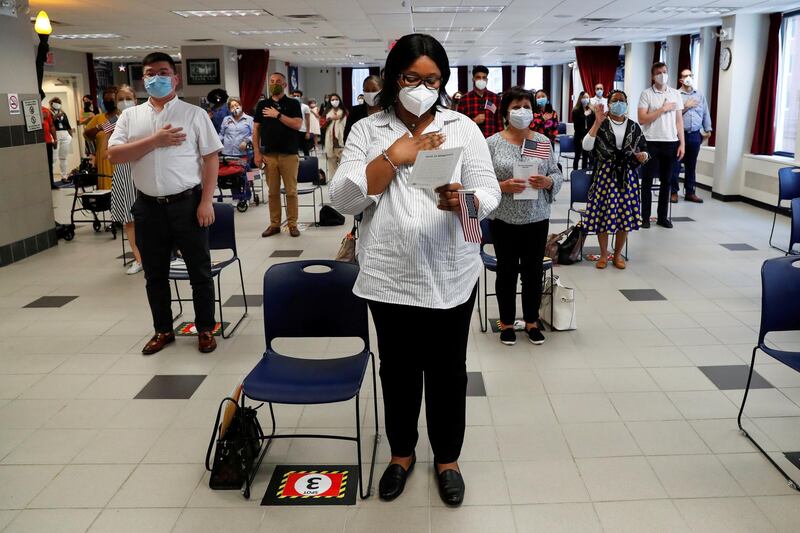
(308, 183)
(490, 263)
(562, 128)
(794, 237)
(221, 236)
(581, 182)
(566, 145)
(788, 189)
(780, 294)
(302, 302)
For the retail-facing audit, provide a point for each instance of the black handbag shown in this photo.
(237, 447)
(328, 216)
(569, 251)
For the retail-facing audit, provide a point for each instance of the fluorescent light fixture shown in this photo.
(630, 29)
(266, 32)
(457, 9)
(292, 45)
(114, 58)
(223, 13)
(447, 28)
(143, 47)
(87, 36)
(700, 11)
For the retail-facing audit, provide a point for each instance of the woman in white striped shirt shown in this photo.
(417, 270)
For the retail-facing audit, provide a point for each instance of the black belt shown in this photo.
(171, 198)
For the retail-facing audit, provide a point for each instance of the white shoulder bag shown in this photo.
(563, 312)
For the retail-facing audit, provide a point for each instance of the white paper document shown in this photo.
(434, 168)
(522, 171)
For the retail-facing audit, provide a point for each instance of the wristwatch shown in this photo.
(279, 115)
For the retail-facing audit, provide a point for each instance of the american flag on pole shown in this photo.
(490, 106)
(109, 125)
(469, 216)
(531, 148)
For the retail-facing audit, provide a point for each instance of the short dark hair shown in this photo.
(478, 69)
(157, 57)
(515, 93)
(281, 74)
(55, 100)
(406, 50)
(297, 91)
(657, 66)
(617, 91)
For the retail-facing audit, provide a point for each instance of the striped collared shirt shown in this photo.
(410, 252)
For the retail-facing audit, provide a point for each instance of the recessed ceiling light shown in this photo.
(446, 28)
(457, 9)
(87, 36)
(223, 13)
(674, 10)
(266, 32)
(143, 47)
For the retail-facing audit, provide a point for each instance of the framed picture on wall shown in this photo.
(202, 71)
(293, 82)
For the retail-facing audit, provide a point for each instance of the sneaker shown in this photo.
(508, 337)
(135, 268)
(535, 336)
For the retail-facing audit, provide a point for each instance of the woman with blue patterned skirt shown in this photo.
(618, 148)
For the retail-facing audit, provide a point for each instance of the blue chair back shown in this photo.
(222, 233)
(794, 237)
(562, 128)
(486, 234)
(788, 183)
(308, 171)
(780, 294)
(579, 186)
(566, 144)
(298, 303)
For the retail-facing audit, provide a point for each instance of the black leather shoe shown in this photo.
(646, 223)
(451, 486)
(665, 223)
(393, 480)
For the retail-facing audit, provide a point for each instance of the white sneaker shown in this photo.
(135, 268)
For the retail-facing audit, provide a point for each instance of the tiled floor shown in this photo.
(626, 424)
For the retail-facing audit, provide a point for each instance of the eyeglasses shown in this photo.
(412, 80)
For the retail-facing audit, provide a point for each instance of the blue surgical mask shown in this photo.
(541, 102)
(158, 86)
(618, 108)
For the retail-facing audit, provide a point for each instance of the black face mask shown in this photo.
(87, 107)
(110, 105)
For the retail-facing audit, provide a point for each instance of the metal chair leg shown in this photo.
(180, 302)
(772, 231)
(244, 295)
(480, 313)
(792, 483)
(254, 469)
(485, 322)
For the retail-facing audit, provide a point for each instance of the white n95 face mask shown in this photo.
(688, 81)
(520, 118)
(418, 100)
(662, 78)
(480, 84)
(369, 98)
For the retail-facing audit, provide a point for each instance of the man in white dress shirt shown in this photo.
(174, 151)
(599, 98)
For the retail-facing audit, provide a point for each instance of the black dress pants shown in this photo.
(161, 229)
(663, 158)
(439, 362)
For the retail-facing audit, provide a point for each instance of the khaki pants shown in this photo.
(282, 166)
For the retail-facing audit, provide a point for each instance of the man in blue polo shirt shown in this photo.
(696, 128)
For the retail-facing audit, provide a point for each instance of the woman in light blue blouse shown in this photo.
(236, 129)
(519, 226)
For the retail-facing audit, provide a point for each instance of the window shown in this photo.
(452, 84)
(694, 54)
(358, 77)
(495, 84)
(534, 78)
(788, 95)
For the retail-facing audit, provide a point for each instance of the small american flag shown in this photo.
(490, 106)
(532, 148)
(469, 217)
(109, 125)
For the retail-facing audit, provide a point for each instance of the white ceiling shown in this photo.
(364, 28)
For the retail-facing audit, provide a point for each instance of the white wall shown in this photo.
(638, 60)
(317, 82)
(555, 89)
(229, 70)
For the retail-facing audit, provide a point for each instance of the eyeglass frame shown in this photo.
(404, 78)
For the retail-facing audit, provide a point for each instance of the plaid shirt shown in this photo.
(472, 104)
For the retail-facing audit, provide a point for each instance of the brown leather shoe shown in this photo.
(693, 198)
(674, 198)
(158, 342)
(206, 342)
(619, 262)
(294, 231)
(270, 231)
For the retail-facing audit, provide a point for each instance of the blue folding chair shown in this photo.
(794, 238)
(297, 304)
(490, 263)
(221, 236)
(788, 189)
(562, 128)
(566, 145)
(308, 183)
(780, 294)
(579, 194)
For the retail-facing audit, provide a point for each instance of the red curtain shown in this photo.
(463, 80)
(253, 66)
(546, 79)
(712, 141)
(506, 77)
(684, 57)
(656, 52)
(764, 134)
(347, 87)
(521, 75)
(597, 64)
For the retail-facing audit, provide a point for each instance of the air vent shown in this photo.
(548, 41)
(201, 40)
(366, 40)
(331, 37)
(585, 40)
(596, 20)
(305, 17)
